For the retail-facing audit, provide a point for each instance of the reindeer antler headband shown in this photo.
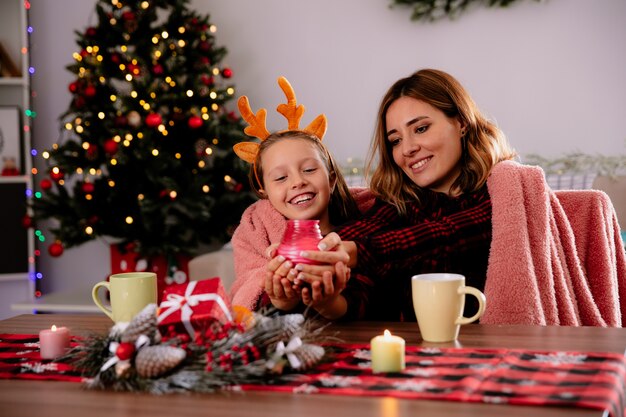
(291, 110)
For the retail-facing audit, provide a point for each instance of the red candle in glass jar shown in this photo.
(300, 235)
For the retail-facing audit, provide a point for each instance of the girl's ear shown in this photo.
(332, 181)
(262, 193)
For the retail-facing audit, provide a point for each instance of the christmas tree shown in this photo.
(145, 153)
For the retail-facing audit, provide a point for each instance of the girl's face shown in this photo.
(297, 181)
(426, 144)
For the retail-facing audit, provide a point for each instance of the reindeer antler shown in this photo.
(256, 121)
(257, 126)
(292, 112)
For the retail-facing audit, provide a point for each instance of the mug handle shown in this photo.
(482, 301)
(96, 299)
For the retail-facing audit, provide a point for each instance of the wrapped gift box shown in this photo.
(193, 306)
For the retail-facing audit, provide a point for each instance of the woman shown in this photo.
(445, 183)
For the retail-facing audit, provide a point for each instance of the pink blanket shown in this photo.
(556, 258)
(260, 226)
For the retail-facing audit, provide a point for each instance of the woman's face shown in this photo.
(296, 180)
(425, 143)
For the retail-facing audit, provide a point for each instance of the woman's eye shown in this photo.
(421, 129)
(393, 141)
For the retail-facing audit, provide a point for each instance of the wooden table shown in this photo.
(66, 399)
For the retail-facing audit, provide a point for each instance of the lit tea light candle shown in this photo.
(54, 342)
(387, 353)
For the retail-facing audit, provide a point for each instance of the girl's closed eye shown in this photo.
(310, 170)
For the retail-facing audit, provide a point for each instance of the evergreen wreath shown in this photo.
(254, 348)
(432, 10)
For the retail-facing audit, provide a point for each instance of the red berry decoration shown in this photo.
(110, 146)
(45, 184)
(87, 187)
(57, 175)
(153, 120)
(56, 249)
(227, 73)
(125, 351)
(194, 122)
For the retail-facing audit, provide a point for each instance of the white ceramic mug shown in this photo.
(438, 301)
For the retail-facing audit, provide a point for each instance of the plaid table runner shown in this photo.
(502, 376)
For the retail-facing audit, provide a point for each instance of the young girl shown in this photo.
(296, 178)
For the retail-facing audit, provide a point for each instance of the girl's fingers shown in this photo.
(270, 252)
(306, 296)
(316, 291)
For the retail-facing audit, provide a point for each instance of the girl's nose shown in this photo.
(297, 180)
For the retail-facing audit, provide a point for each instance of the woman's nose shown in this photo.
(410, 147)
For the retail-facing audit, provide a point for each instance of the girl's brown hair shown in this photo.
(483, 144)
(342, 205)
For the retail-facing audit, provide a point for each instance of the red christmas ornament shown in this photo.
(153, 120)
(56, 249)
(27, 221)
(157, 69)
(204, 46)
(206, 80)
(125, 351)
(90, 91)
(205, 61)
(87, 187)
(57, 175)
(45, 184)
(194, 122)
(91, 32)
(133, 69)
(232, 116)
(115, 58)
(84, 53)
(73, 87)
(92, 152)
(110, 146)
(120, 120)
(79, 102)
(227, 73)
(128, 16)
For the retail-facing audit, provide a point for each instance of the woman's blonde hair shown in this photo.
(483, 144)
(341, 206)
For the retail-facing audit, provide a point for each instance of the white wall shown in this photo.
(553, 73)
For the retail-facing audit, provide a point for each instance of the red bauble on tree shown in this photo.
(91, 32)
(90, 91)
(87, 187)
(194, 122)
(73, 87)
(57, 175)
(110, 146)
(206, 79)
(56, 249)
(45, 184)
(134, 69)
(153, 120)
(157, 69)
(227, 73)
(27, 221)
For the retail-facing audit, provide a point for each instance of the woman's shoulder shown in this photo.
(363, 197)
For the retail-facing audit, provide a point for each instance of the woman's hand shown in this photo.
(333, 250)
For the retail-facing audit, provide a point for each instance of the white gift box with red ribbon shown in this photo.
(193, 306)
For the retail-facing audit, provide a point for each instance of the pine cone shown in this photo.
(145, 322)
(309, 356)
(152, 361)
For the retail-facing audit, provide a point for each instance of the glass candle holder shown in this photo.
(299, 236)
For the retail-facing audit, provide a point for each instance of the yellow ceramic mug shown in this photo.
(129, 292)
(438, 301)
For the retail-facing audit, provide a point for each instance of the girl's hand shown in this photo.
(281, 292)
(324, 288)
